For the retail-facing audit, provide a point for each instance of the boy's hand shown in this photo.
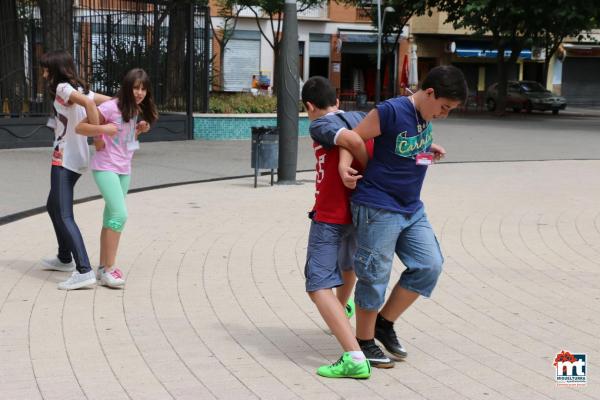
(99, 143)
(110, 129)
(141, 127)
(438, 152)
(349, 176)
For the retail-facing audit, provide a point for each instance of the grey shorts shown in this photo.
(331, 249)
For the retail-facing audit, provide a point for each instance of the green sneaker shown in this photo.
(346, 367)
(349, 308)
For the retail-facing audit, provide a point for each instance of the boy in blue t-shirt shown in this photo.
(387, 210)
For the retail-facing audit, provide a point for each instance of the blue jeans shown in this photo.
(382, 233)
(60, 209)
(330, 250)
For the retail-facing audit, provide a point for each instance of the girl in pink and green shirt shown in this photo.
(131, 112)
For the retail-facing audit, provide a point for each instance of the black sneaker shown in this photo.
(389, 340)
(375, 355)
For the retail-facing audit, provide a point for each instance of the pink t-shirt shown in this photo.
(118, 151)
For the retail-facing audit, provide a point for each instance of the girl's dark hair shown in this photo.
(61, 69)
(448, 82)
(127, 105)
(318, 91)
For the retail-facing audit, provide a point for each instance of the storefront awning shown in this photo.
(582, 50)
(367, 38)
(489, 53)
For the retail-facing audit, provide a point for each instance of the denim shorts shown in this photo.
(331, 248)
(380, 234)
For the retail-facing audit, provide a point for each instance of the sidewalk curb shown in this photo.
(7, 219)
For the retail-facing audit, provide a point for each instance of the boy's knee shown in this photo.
(436, 266)
(432, 271)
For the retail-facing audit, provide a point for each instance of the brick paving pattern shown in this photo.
(214, 305)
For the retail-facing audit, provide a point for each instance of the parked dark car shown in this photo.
(526, 95)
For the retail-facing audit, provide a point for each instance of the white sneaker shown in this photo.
(54, 264)
(112, 278)
(78, 281)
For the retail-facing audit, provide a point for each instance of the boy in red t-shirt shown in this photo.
(332, 239)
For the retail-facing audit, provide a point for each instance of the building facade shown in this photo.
(335, 41)
(340, 43)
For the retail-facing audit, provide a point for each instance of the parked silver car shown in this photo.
(526, 95)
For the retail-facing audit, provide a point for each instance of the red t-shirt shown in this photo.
(332, 198)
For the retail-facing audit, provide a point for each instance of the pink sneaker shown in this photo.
(112, 278)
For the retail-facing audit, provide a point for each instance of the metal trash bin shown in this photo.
(265, 149)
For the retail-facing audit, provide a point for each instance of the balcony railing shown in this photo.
(363, 14)
(321, 12)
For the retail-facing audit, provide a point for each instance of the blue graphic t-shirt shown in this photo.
(393, 180)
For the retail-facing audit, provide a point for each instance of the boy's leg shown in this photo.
(322, 274)
(419, 251)
(335, 317)
(345, 262)
(343, 292)
(398, 302)
(377, 232)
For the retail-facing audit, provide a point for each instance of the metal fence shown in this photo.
(106, 42)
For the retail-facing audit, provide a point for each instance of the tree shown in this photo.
(229, 11)
(395, 21)
(176, 52)
(273, 11)
(175, 74)
(513, 25)
(57, 23)
(564, 19)
(12, 69)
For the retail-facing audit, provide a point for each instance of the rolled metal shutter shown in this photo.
(242, 60)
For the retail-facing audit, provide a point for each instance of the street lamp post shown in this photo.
(380, 22)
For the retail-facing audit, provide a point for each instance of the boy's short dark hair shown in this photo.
(319, 92)
(448, 82)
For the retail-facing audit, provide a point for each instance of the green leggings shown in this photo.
(114, 188)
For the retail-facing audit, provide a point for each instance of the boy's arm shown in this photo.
(354, 140)
(329, 134)
(348, 174)
(369, 127)
(438, 151)
(350, 141)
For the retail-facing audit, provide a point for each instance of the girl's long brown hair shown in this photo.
(61, 69)
(126, 101)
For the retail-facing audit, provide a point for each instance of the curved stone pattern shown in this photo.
(214, 305)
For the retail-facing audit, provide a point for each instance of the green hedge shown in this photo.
(244, 103)
(241, 103)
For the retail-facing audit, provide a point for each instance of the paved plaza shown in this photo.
(215, 307)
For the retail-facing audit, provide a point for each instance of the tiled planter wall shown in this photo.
(237, 126)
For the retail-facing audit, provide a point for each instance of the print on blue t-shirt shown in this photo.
(410, 146)
(393, 180)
